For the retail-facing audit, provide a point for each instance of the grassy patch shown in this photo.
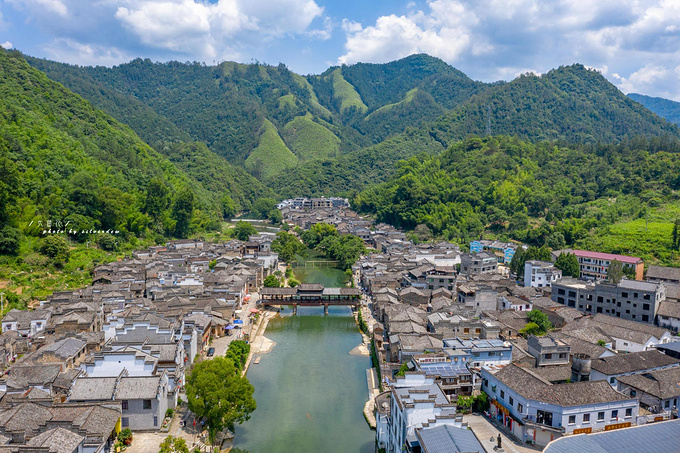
(271, 156)
(408, 98)
(309, 140)
(345, 93)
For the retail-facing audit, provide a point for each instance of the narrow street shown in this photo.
(485, 431)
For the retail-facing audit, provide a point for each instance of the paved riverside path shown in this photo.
(484, 430)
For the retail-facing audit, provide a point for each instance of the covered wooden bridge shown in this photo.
(310, 294)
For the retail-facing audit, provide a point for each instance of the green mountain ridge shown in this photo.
(665, 108)
(385, 112)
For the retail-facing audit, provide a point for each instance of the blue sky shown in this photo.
(634, 43)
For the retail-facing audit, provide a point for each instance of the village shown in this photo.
(466, 355)
(449, 332)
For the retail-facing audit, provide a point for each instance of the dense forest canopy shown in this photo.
(541, 194)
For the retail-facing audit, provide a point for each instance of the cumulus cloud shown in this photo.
(7, 45)
(169, 29)
(498, 39)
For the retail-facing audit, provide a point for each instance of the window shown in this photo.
(633, 393)
(124, 405)
(599, 298)
(629, 412)
(600, 416)
(572, 419)
(155, 420)
(544, 417)
(520, 408)
(502, 394)
(586, 418)
(146, 404)
(624, 294)
(511, 401)
(548, 356)
(611, 380)
(647, 297)
(615, 414)
(645, 318)
(635, 295)
(645, 307)
(125, 422)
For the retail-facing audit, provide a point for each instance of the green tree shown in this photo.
(217, 392)
(293, 282)
(9, 240)
(530, 328)
(402, 369)
(675, 235)
(228, 206)
(317, 233)
(568, 264)
(275, 216)
(287, 245)
(243, 230)
(107, 242)
(238, 352)
(272, 282)
(182, 211)
(615, 271)
(56, 247)
(263, 207)
(540, 319)
(157, 199)
(173, 444)
(517, 262)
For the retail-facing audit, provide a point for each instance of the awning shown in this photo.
(238, 321)
(254, 310)
(229, 327)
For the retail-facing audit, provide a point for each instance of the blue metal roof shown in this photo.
(662, 437)
(444, 370)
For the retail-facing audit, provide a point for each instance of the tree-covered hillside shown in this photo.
(66, 166)
(537, 193)
(342, 129)
(670, 110)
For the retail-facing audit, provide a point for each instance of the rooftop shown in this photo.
(633, 362)
(607, 256)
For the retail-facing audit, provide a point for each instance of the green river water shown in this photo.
(310, 391)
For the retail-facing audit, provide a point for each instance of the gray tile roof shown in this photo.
(532, 386)
(93, 389)
(131, 388)
(652, 438)
(58, 440)
(663, 273)
(448, 439)
(633, 362)
(662, 384)
(21, 377)
(66, 348)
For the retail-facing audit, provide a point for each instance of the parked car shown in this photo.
(211, 352)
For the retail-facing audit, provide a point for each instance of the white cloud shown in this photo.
(204, 29)
(324, 33)
(492, 39)
(7, 45)
(86, 54)
(49, 7)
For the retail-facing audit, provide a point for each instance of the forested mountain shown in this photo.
(537, 193)
(340, 130)
(63, 162)
(670, 110)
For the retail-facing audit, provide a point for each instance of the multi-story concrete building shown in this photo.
(594, 265)
(548, 350)
(416, 402)
(482, 352)
(478, 263)
(536, 411)
(540, 274)
(630, 299)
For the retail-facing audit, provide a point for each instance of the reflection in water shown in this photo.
(310, 391)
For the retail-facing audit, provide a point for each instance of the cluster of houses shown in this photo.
(90, 362)
(448, 325)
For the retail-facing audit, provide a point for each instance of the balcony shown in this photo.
(532, 422)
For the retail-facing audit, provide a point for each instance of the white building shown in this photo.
(540, 274)
(416, 402)
(536, 411)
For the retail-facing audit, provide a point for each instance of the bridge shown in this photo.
(309, 295)
(327, 263)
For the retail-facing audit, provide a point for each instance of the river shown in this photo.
(310, 391)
